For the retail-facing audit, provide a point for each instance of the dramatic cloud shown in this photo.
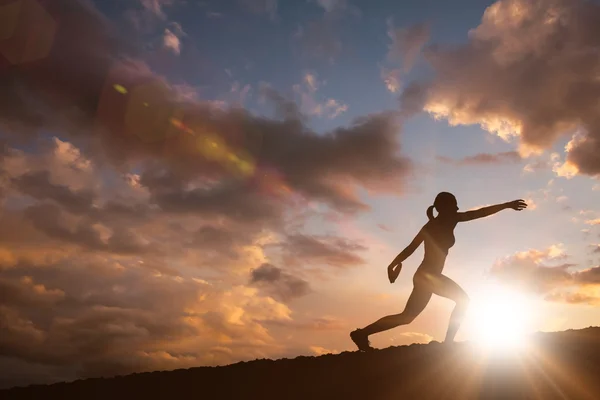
(484, 158)
(142, 119)
(532, 270)
(529, 70)
(100, 318)
(136, 217)
(527, 269)
(282, 284)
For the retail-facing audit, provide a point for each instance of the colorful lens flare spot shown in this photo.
(241, 164)
(27, 31)
(150, 115)
(213, 148)
(120, 89)
(149, 112)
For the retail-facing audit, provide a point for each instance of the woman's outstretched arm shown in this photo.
(517, 205)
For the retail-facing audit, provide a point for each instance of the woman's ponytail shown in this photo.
(430, 212)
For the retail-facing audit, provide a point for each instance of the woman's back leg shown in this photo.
(418, 300)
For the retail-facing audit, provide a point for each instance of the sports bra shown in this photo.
(441, 233)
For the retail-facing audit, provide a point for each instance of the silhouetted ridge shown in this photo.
(561, 365)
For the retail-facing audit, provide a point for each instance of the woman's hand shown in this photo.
(394, 271)
(517, 205)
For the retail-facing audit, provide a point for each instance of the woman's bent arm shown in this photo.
(407, 252)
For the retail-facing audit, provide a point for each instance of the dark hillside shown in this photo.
(562, 365)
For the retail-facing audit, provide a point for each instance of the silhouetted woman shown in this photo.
(438, 235)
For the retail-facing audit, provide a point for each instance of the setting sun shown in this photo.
(500, 318)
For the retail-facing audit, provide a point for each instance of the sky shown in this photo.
(189, 183)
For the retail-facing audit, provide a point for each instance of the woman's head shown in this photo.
(445, 203)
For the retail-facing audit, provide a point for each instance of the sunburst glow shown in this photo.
(500, 318)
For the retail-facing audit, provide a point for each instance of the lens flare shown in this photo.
(119, 88)
(500, 318)
(150, 115)
(27, 31)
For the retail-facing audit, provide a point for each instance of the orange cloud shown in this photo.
(533, 270)
(515, 78)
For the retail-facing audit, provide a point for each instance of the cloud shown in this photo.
(319, 351)
(385, 227)
(528, 71)
(311, 105)
(38, 185)
(529, 270)
(589, 276)
(311, 82)
(268, 7)
(121, 190)
(507, 157)
(171, 38)
(282, 284)
(405, 338)
(315, 324)
(136, 124)
(406, 43)
(537, 165)
(94, 318)
(333, 108)
(156, 6)
(531, 203)
(532, 271)
(392, 79)
(323, 250)
(574, 298)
